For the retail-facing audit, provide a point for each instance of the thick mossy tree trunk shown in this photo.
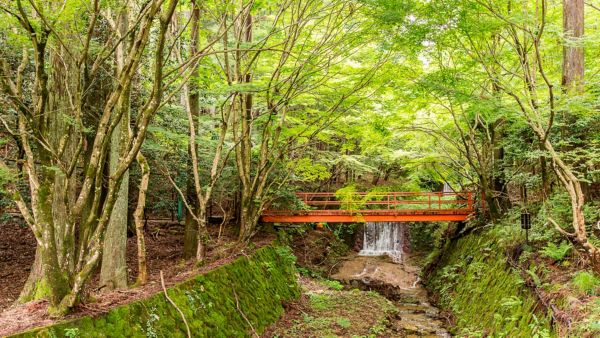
(113, 271)
(61, 188)
(56, 214)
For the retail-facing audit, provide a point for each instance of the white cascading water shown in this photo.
(383, 238)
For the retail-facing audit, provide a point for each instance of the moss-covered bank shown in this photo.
(261, 282)
(486, 296)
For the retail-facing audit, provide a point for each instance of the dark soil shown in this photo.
(17, 252)
(319, 251)
(164, 246)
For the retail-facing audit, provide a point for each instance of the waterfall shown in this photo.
(383, 238)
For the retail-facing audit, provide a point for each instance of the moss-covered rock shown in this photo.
(487, 297)
(261, 283)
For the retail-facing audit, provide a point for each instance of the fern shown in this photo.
(586, 282)
(534, 276)
(557, 253)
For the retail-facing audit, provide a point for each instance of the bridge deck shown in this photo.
(377, 207)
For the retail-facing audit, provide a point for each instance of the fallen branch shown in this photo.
(237, 305)
(187, 327)
(561, 230)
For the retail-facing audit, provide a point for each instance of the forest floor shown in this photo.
(17, 252)
(164, 245)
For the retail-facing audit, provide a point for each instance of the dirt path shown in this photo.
(399, 283)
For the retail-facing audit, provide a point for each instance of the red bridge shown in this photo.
(377, 207)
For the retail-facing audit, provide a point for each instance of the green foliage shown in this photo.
(349, 199)
(342, 231)
(342, 313)
(557, 253)
(286, 254)
(6, 176)
(343, 322)
(72, 332)
(332, 284)
(586, 282)
(308, 170)
(307, 272)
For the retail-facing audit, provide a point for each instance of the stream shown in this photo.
(399, 282)
(384, 266)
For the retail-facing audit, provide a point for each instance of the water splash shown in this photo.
(383, 238)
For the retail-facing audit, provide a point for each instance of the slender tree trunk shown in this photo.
(138, 216)
(545, 177)
(573, 65)
(244, 149)
(113, 272)
(192, 234)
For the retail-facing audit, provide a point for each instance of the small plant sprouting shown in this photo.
(72, 332)
(343, 322)
(286, 253)
(333, 284)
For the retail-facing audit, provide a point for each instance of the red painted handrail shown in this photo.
(391, 200)
(379, 206)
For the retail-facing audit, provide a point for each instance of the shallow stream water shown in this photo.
(399, 282)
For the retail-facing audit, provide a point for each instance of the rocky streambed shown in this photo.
(399, 282)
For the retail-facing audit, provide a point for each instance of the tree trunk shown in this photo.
(35, 286)
(202, 236)
(192, 234)
(61, 189)
(138, 216)
(573, 56)
(113, 272)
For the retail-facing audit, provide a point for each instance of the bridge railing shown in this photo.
(462, 201)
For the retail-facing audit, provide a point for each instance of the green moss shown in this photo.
(42, 290)
(261, 283)
(487, 297)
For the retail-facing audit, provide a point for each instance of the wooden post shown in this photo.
(470, 203)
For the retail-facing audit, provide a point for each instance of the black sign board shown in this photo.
(525, 220)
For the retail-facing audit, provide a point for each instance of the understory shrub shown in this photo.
(556, 252)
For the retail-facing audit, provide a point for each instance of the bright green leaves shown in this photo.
(307, 170)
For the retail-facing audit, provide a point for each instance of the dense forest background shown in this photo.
(114, 112)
